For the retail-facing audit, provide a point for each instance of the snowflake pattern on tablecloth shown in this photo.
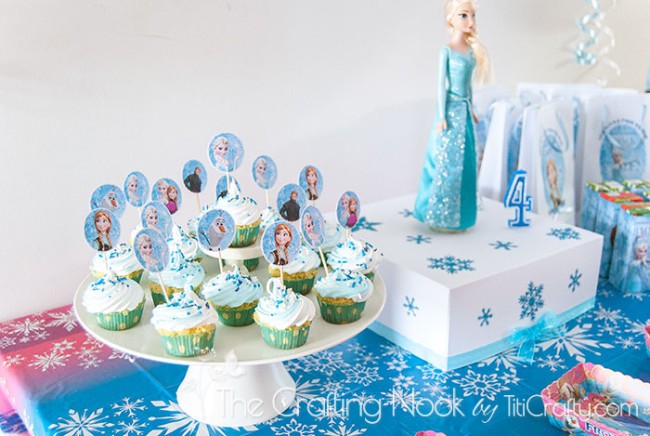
(411, 308)
(419, 239)
(82, 423)
(484, 317)
(364, 224)
(406, 213)
(451, 264)
(500, 245)
(564, 233)
(531, 301)
(575, 280)
(482, 385)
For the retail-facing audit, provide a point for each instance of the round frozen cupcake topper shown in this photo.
(136, 189)
(312, 225)
(348, 209)
(226, 152)
(109, 197)
(280, 243)
(151, 250)
(216, 230)
(156, 216)
(265, 172)
(167, 192)
(291, 202)
(222, 186)
(311, 181)
(195, 177)
(102, 229)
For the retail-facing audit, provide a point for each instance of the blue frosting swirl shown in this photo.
(232, 289)
(345, 284)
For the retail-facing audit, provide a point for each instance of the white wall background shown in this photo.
(93, 89)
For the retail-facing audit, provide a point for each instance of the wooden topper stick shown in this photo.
(220, 262)
(266, 193)
(198, 202)
(160, 279)
(227, 181)
(104, 255)
(322, 258)
(349, 233)
(281, 274)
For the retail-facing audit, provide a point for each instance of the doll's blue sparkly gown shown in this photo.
(446, 197)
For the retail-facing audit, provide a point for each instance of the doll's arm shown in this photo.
(442, 89)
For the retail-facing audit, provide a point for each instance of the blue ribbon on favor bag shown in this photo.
(546, 328)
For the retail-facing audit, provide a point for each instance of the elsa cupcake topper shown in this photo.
(152, 251)
(156, 216)
(167, 192)
(348, 209)
(265, 174)
(312, 227)
(136, 189)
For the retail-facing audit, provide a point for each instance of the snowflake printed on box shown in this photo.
(564, 234)
(531, 301)
(419, 239)
(410, 306)
(364, 224)
(498, 245)
(406, 213)
(575, 280)
(451, 264)
(485, 316)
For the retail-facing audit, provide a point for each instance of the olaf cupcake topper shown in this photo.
(222, 186)
(195, 178)
(216, 230)
(136, 189)
(102, 229)
(312, 226)
(265, 174)
(280, 244)
(291, 202)
(311, 181)
(167, 192)
(152, 251)
(348, 209)
(109, 197)
(156, 216)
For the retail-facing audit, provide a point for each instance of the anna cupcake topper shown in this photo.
(348, 209)
(216, 231)
(280, 244)
(265, 174)
(311, 181)
(102, 230)
(156, 216)
(109, 197)
(167, 192)
(292, 201)
(195, 178)
(136, 189)
(226, 153)
(312, 227)
(152, 251)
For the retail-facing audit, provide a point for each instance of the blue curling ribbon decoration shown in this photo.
(546, 328)
(583, 57)
(587, 51)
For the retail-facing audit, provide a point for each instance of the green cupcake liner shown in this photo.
(236, 316)
(188, 345)
(341, 313)
(251, 264)
(157, 293)
(371, 276)
(120, 320)
(285, 339)
(300, 286)
(245, 236)
(136, 276)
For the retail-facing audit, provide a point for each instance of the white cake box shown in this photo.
(454, 299)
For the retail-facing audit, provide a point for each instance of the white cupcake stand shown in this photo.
(242, 382)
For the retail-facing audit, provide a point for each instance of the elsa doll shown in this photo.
(446, 199)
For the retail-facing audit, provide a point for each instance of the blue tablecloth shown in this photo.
(365, 386)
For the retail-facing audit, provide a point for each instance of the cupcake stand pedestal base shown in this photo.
(242, 381)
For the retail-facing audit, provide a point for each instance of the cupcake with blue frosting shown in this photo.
(355, 255)
(116, 302)
(333, 235)
(234, 296)
(186, 324)
(179, 273)
(121, 261)
(342, 295)
(299, 274)
(284, 317)
(246, 214)
(269, 216)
